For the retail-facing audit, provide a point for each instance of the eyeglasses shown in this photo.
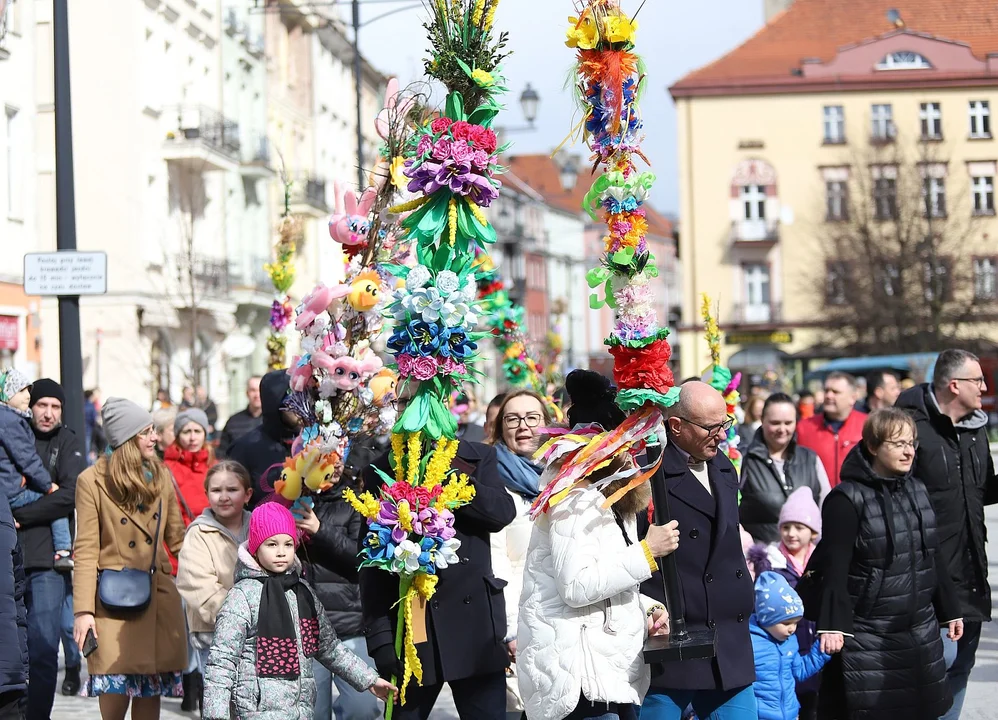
(902, 444)
(713, 429)
(512, 422)
(979, 381)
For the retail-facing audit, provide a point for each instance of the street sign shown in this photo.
(66, 272)
(765, 337)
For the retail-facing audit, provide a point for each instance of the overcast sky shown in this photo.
(674, 37)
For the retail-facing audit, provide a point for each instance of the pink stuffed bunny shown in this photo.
(350, 224)
(317, 302)
(392, 107)
(301, 374)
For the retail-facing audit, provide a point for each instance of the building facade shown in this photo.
(794, 142)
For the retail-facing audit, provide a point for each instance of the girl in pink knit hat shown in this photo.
(800, 530)
(269, 627)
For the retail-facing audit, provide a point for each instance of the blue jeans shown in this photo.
(708, 704)
(960, 658)
(69, 646)
(350, 705)
(61, 539)
(44, 594)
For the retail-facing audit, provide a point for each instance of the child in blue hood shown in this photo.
(778, 662)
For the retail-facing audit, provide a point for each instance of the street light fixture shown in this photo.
(529, 100)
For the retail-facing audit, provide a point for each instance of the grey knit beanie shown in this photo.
(11, 383)
(123, 420)
(196, 415)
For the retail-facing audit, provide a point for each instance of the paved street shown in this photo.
(982, 696)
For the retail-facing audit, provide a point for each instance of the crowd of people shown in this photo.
(843, 570)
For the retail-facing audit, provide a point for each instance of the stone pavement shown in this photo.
(981, 703)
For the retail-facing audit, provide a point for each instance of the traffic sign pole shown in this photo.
(70, 342)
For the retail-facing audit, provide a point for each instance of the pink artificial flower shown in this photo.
(461, 130)
(424, 368)
(440, 124)
(460, 151)
(480, 159)
(424, 146)
(489, 141)
(441, 149)
(405, 364)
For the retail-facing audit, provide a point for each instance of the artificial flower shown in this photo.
(407, 553)
(643, 368)
(456, 344)
(461, 152)
(480, 160)
(424, 368)
(462, 130)
(416, 338)
(447, 282)
(619, 29)
(483, 79)
(440, 124)
(441, 149)
(583, 35)
(446, 554)
(396, 173)
(378, 542)
(418, 276)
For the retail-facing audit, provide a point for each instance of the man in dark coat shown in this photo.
(954, 463)
(61, 452)
(65, 458)
(466, 618)
(716, 585)
(244, 421)
(13, 623)
(329, 556)
(262, 451)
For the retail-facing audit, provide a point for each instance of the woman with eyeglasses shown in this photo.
(882, 591)
(516, 437)
(773, 466)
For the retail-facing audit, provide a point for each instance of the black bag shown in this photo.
(129, 590)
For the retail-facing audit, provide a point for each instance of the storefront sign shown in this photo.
(65, 273)
(765, 337)
(9, 327)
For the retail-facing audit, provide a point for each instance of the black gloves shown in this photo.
(387, 663)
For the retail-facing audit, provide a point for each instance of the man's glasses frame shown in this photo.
(712, 430)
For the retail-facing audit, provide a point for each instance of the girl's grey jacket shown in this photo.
(231, 686)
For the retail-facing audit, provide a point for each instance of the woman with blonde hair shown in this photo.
(129, 625)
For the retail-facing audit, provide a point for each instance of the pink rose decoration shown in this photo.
(480, 159)
(440, 124)
(405, 364)
(424, 146)
(489, 141)
(461, 130)
(460, 151)
(424, 368)
(449, 367)
(441, 149)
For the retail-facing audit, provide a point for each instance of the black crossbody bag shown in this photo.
(129, 590)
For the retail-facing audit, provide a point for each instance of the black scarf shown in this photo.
(277, 642)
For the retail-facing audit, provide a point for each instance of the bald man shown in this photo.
(716, 585)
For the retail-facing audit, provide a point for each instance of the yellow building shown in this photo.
(811, 131)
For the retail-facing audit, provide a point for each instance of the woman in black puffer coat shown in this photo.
(883, 597)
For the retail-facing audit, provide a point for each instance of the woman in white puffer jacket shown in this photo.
(582, 621)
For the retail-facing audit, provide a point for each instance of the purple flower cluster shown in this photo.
(457, 156)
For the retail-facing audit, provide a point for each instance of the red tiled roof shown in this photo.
(819, 28)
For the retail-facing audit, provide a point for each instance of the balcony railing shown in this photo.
(256, 156)
(756, 313)
(309, 193)
(200, 129)
(210, 275)
(250, 275)
(755, 231)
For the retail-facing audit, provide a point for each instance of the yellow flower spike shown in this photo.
(398, 449)
(455, 11)
(440, 462)
(411, 205)
(399, 180)
(405, 515)
(490, 18)
(478, 13)
(412, 667)
(414, 452)
(477, 212)
(452, 220)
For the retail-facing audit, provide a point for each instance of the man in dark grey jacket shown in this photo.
(954, 462)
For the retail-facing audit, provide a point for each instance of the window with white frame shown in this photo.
(931, 117)
(980, 118)
(757, 294)
(882, 119)
(936, 274)
(835, 124)
(934, 195)
(985, 278)
(835, 283)
(984, 195)
(904, 60)
(836, 196)
(15, 145)
(885, 198)
(753, 199)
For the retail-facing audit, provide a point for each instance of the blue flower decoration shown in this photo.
(378, 542)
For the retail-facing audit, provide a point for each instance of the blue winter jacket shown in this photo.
(13, 621)
(778, 667)
(18, 457)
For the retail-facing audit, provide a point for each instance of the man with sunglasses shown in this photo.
(953, 460)
(716, 585)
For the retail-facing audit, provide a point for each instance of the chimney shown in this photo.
(772, 7)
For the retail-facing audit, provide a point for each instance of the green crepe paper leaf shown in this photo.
(720, 378)
(611, 301)
(416, 415)
(484, 114)
(597, 276)
(487, 233)
(387, 479)
(634, 398)
(455, 106)
(434, 220)
(594, 302)
(441, 259)
(399, 271)
(464, 66)
(624, 256)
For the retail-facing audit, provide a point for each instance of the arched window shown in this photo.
(904, 60)
(754, 205)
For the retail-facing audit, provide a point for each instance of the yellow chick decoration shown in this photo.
(320, 477)
(289, 486)
(365, 292)
(383, 386)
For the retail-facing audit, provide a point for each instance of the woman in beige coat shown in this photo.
(140, 655)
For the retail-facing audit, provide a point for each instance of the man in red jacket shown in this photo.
(834, 433)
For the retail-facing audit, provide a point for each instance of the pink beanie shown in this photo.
(268, 520)
(799, 508)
